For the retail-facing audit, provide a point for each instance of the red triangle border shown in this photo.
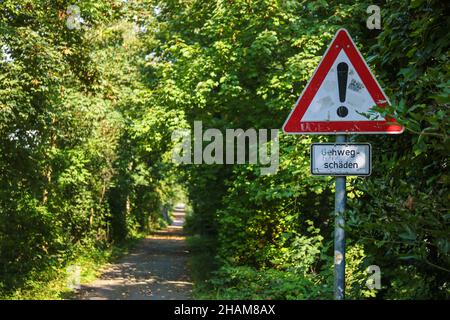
(341, 41)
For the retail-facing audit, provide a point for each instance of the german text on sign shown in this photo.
(341, 159)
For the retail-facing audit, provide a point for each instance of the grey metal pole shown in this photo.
(339, 234)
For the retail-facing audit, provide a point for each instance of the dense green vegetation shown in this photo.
(78, 172)
(87, 114)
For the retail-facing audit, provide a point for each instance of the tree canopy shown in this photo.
(87, 112)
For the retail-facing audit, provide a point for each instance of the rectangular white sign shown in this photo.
(341, 159)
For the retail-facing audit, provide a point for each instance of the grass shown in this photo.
(215, 282)
(52, 284)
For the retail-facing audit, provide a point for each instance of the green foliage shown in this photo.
(244, 283)
(86, 117)
(242, 65)
(401, 214)
(51, 283)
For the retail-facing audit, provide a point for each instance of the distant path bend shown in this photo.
(157, 269)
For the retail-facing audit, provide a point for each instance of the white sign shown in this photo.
(341, 159)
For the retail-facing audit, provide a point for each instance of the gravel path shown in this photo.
(155, 270)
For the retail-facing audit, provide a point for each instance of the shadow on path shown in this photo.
(155, 270)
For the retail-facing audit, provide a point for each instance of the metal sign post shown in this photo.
(339, 233)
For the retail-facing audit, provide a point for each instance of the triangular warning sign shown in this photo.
(339, 96)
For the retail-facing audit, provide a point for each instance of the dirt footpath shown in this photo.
(155, 270)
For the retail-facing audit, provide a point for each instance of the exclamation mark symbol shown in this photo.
(342, 73)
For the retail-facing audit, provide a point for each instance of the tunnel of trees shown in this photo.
(90, 96)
